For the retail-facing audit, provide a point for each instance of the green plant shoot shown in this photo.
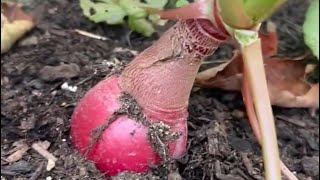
(247, 14)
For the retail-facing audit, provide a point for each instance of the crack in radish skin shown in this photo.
(148, 81)
(160, 80)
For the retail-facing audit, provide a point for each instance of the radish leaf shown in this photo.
(99, 12)
(141, 26)
(181, 3)
(311, 28)
(157, 3)
(132, 8)
(114, 12)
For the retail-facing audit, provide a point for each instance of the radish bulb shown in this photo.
(136, 120)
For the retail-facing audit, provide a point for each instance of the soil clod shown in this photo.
(310, 165)
(52, 73)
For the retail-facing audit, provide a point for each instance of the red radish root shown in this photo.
(132, 121)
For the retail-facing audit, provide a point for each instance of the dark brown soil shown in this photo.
(35, 108)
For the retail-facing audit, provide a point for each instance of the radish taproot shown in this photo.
(134, 120)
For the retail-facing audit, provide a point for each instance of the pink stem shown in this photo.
(162, 76)
(196, 10)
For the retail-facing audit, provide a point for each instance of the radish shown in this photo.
(132, 121)
(138, 119)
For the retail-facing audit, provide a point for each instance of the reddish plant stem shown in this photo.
(195, 10)
(246, 94)
(161, 77)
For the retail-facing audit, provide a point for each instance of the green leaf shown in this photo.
(311, 28)
(157, 3)
(259, 10)
(132, 8)
(114, 12)
(181, 3)
(103, 11)
(141, 25)
(155, 19)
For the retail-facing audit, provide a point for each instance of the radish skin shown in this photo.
(168, 68)
(160, 80)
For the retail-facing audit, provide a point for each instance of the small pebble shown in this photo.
(174, 176)
(66, 86)
(238, 114)
(33, 40)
